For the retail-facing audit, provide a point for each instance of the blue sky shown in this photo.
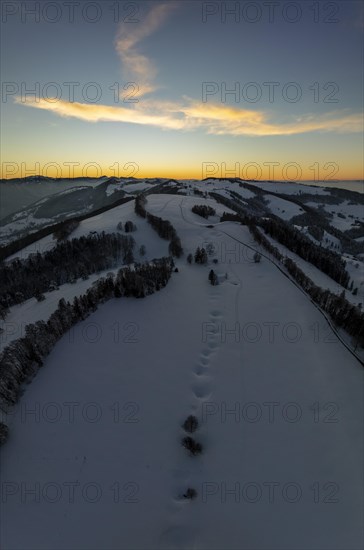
(169, 52)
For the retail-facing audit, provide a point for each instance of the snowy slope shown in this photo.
(75, 201)
(289, 188)
(344, 214)
(31, 311)
(328, 240)
(107, 221)
(18, 194)
(282, 208)
(280, 404)
(323, 280)
(82, 196)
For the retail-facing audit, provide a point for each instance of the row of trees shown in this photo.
(65, 229)
(343, 313)
(262, 240)
(203, 210)
(327, 261)
(316, 231)
(139, 206)
(164, 228)
(21, 359)
(229, 217)
(34, 236)
(65, 263)
(242, 213)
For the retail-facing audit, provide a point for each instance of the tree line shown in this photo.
(164, 228)
(344, 314)
(65, 229)
(30, 238)
(326, 260)
(65, 263)
(22, 358)
(203, 210)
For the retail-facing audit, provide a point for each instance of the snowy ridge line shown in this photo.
(347, 243)
(18, 244)
(329, 321)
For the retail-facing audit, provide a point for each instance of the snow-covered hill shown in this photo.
(19, 193)
(94, 457)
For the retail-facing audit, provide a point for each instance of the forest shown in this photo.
(327, 261)
(203, 210)
(22, 358)
(65, 263)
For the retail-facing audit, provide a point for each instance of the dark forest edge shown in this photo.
(65, 263)
(19, 244)
(327, 261)
(164, 228)
(22, 358)
(344, 314)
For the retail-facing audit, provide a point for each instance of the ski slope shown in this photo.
(279, 400)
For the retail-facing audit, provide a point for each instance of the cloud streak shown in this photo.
(137, 66)
(212, 118)
(188, 114)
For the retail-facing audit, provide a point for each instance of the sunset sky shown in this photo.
(181, 57)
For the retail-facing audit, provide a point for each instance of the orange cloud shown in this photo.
(188, 115)
(211, 118)
(96, 113)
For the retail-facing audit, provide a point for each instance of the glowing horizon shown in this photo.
(169, 110)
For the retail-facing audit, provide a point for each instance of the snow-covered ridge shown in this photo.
(278, 399)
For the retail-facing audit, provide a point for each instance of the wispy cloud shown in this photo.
(136, 66)
(187, 114)
(222, 119)
(213, 119)
(97, 113)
